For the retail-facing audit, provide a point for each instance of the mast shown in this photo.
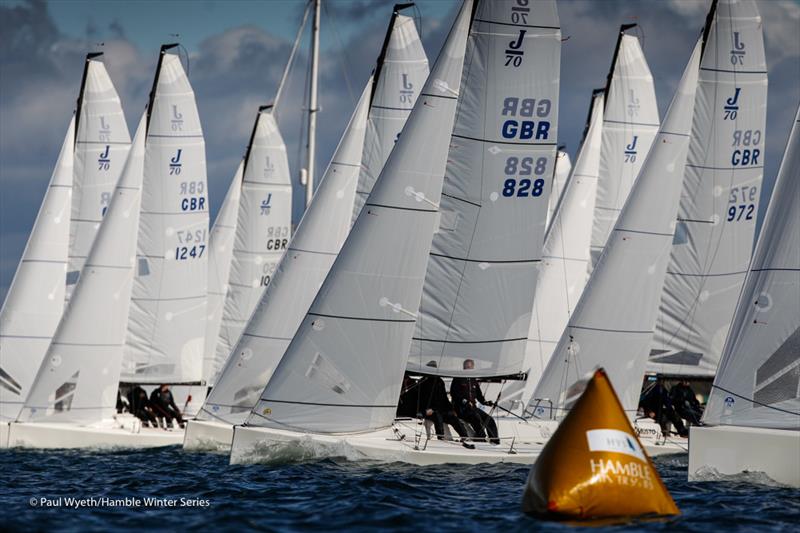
(312, 106)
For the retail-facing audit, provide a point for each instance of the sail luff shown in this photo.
(35, 300)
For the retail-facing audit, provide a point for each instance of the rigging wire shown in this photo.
(290, 61)
(343, 63)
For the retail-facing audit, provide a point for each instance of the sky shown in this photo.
(236, 52)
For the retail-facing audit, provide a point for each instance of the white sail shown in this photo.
(343, 369)
(401, 71)
(166, 330)
(758, 380)
(102, 142)
(719, 203)
(481, 277)
(263, 229)
(565, 258)
(612, 324)
(563, 170)
(630, 123)
(35, 300)
(317, 241)
(220, 254)
(78, 380)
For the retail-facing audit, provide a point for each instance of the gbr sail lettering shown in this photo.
(519, 109)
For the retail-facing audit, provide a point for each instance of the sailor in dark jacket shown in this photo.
(163, 405)
(436, 407)
(657, 405)
(466, 394)
(685, 402)
(140, 406)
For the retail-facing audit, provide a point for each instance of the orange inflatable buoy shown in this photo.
(594, 465)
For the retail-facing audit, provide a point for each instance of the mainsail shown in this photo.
(759, 373)
(78, 380)
(102, 142)
(299, 275)
(166, 330)
(481, 275)
(565, 258)
(35, 300)
(343, 369)
(220, 254)
(401, 71)
(630, 122)
(612, 325)
(263, 229)
(717, 215)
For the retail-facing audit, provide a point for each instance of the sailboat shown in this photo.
(87, 169)
(167, 321)
(717, 216)
(612, 324)
(338, 384)
(376, 122)
(262, 230)
(563, 271)
(630, 122)
(754, 408)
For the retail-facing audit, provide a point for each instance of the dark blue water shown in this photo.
(331, 494)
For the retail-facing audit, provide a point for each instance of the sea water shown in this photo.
(169, 489)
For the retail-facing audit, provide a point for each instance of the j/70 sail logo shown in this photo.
(175, 163)
(731, 108)
(269, 168)
(630, 150)
(514, 51)
(737, 50)
(407, 92)
(104, 133)
(104, 161)
(177, 119)
(266, 205)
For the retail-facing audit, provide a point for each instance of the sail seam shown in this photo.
(485, 260)
(265, 337)
(709, 69)
(611, 330)
(609, 121)
(290, 249)
(707, 275)
(644, 232)
(500, 142)
(724, 168)
(327, 404)
(755, 401)
(402, 208)
(517, 25)
(470, 342)
(174, 136)
(168, 299)
(399, 320)
(461, 199)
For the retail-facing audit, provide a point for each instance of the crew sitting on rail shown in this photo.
(140, 406)
(658, 406)
(466, 394)
(685, 402)
(164, 407)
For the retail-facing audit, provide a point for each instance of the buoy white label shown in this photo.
(613, 440)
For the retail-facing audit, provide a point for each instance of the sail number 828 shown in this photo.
(525, 166)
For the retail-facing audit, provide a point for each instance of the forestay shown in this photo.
(263, 229)
(481, 275)
(167, 322)
(565, 258)
(759, 373)
(78, 380)
(612, 325)
(297, 279)
(343, 369)
(630, 122)
(401, 71)
(102, 142)
(719, 203)
(220, 254)
(35, 299)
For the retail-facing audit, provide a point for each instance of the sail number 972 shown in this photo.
(521, 186)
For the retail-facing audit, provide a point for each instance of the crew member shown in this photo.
(163, 405)
(658, 406)
(436, 407)
(466, 394)
(685, 402)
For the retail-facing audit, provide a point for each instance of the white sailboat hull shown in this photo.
(112, 435)
(207, 436)
(729, 450)
(404, 441)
